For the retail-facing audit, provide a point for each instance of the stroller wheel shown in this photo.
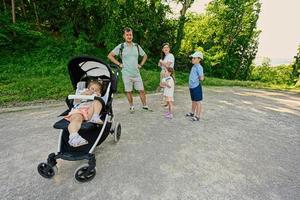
(83, 175)
(117, 132)
(46, 170)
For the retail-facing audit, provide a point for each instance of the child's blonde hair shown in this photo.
(171, 71)
(96, 82)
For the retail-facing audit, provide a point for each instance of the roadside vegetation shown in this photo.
(37, 39)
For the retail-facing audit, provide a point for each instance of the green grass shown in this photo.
(28, 78)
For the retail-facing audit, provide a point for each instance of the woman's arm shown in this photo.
(166, 64)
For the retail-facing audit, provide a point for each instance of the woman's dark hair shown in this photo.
(162, 53)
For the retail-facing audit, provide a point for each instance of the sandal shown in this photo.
(189, 114)
(147, 108)
(195, 118)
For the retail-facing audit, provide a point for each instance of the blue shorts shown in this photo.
(196, 93)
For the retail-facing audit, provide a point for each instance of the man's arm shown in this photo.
(143, 60)
(111, 57)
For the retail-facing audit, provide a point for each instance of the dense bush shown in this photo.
(277, 75)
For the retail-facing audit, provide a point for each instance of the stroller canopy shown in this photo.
(84, 66)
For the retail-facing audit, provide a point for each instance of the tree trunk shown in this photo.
(180, 34)
(4, 5)
(13, 12)
(23, 9)
(186, 4)
(37, 22)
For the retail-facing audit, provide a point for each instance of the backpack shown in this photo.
(122, 48)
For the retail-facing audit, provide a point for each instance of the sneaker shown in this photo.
(189, 114)
(77, 140)
(195, 118)
(166, 114)
(147, 108)
(131, 109)
(169, 116)
(96, 120)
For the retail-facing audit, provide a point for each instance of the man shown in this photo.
(129, 53)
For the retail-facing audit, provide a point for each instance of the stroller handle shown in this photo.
(114, 66)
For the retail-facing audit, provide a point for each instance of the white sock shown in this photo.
(95, 116)
(72, 135)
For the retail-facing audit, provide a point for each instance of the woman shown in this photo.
(167, 60)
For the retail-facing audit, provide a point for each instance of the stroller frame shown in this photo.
(85, 172)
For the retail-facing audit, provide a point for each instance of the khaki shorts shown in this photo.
(130, 82)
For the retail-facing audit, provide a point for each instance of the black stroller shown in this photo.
(82, 70)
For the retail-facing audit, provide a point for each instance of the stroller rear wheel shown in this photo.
(46, 170)
(117, 132)
(83, 174)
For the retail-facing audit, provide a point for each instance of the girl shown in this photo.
(168, 83)
(87, 110)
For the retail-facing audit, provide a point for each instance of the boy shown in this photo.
(196, 75)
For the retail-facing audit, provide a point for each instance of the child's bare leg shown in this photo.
(75, 123)
(194, 105)
(170, 109)
(94, 112)
(170, 105)
(97, 106)
(199, 108)
(75, 139)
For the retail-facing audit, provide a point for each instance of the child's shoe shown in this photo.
(166, 114)
(75, 140)
(131, 109)
(147, 108)
(96, 119)
(169, 116)
(189, 114)
(195, 118)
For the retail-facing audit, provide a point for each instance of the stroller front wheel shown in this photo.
(83, 174)
(46, 170)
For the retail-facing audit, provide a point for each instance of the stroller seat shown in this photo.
(85, 126)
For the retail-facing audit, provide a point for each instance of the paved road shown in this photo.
(247, 146)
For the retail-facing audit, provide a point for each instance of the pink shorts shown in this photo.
(83, 111)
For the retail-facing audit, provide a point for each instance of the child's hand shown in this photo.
(97, 93)
(87, 92)
(161, 62)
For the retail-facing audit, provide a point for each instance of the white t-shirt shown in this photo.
(169, 92)
(169, 58)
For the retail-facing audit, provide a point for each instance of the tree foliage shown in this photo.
(296, 67)
(226, 32)
(228, 35)
(100, 21)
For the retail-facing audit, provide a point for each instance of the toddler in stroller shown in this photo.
(84, 110)
(93, 125)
